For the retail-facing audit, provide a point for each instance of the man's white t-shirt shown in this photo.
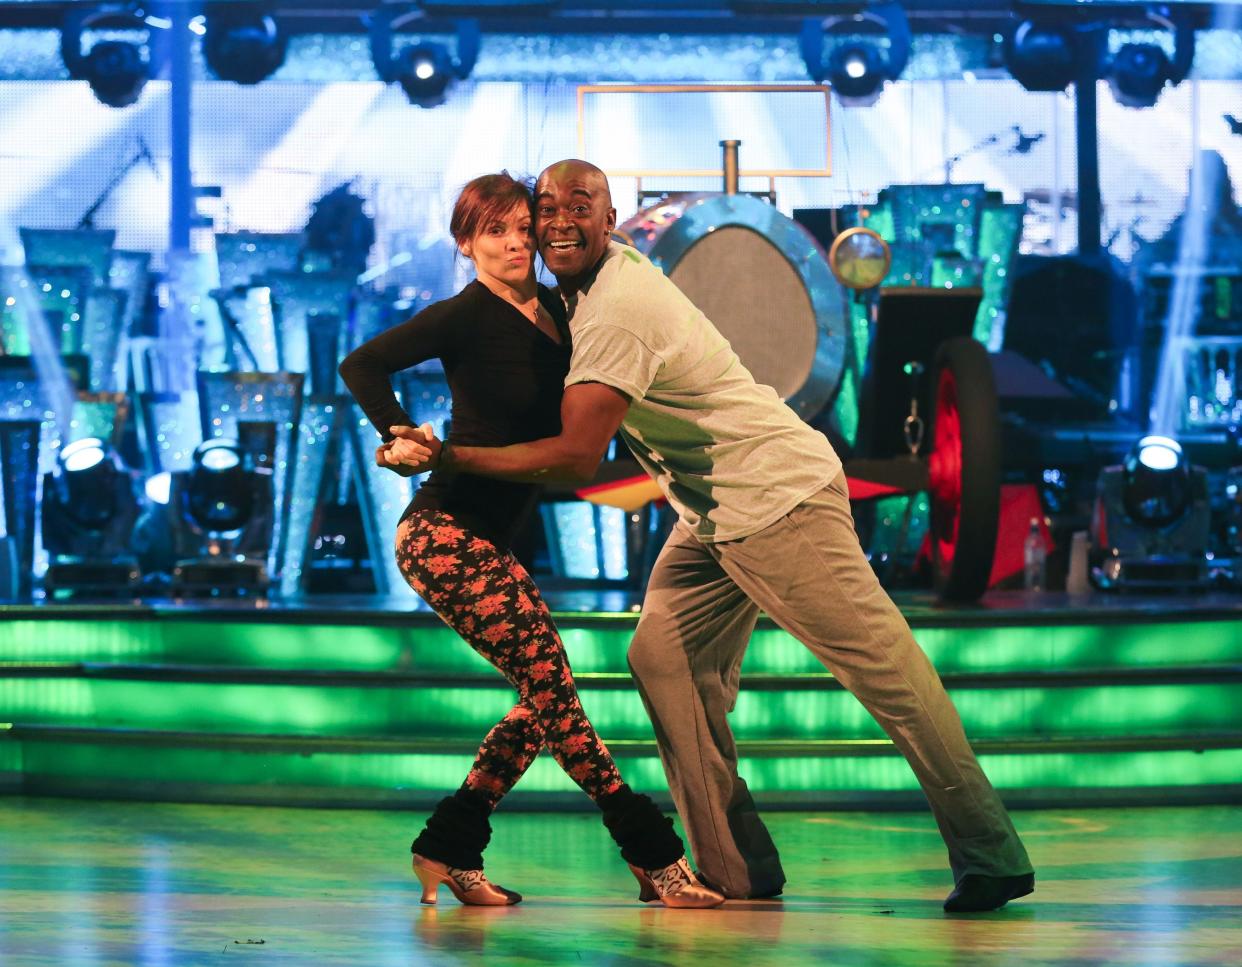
(727, 452)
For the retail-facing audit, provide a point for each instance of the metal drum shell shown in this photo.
(666, 231)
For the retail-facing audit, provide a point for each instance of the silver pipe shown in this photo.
(730, 166)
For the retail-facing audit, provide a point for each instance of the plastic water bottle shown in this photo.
(1076, 581)
(1035, 558)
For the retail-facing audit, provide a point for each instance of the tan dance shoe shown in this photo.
(675, 886)
(471, 887)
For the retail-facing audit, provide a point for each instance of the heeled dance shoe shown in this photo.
(675, 886)
(471, 887)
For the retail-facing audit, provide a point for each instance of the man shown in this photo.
(764, 523)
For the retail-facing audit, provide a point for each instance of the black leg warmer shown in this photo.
(645, 834)
(457, 832)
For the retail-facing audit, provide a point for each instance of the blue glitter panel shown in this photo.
(79, 248)
(171, 427)
(249, 341)
(572, 539)
(319, 424)
(612, 531)
(15, 286)
(425, 396)
(372, 315)
(19, 494)
(382, 496)
(297, 296)
(98, 415)
(586, 541)
(102, 325)
(62, 293)
(130, 274)
(242, 256)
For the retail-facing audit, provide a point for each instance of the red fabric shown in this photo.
(867, 489)
(1018, 504)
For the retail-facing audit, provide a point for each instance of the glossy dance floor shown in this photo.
(87, 883)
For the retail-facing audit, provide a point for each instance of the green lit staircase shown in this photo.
(387, 707)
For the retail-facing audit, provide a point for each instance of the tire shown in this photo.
(964, 470)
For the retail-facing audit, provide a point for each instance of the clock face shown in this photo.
(859, 258)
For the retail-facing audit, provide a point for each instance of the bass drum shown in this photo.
(762, 280)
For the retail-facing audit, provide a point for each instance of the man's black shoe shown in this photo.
(977, 893)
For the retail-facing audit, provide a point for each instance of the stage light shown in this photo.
(89, 509)
(425, 70)
(213, 535)
(856, 71)
(85, 482)
(1139, 71)
(1157, 486)
(1042, 56)
(243, 42)
(1152, 522)
(116, 70)
(857, 65)
(219, 493)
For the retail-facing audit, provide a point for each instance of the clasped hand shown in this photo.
(412, 450)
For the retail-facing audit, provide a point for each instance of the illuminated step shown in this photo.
(1104, 703)
(298, 769)
(990, 642)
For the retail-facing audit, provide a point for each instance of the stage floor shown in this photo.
(161, 884)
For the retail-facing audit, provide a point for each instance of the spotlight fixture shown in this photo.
(243, 42)
(1138, 72)
(856, 71)
(425, 72)
(1156, 488)
(1042, 56)
(89, 509)
(858, 64)
(84, 481)
(225, 500)
(116, 70)
(1152, 522)
(219, 495)
(427, 69)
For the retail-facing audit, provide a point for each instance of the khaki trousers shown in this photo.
(809, 574)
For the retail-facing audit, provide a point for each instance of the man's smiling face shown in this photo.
(574, 219)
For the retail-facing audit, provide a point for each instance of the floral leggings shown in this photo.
(487, 597)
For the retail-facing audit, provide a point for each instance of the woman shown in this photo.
(505, 349)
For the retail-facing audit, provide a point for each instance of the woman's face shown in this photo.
(504, 248)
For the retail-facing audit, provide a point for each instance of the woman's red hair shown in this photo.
(486, 199)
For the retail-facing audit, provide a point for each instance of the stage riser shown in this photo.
(419, 642)
(884, 779)
(447, 711)
(387, 708)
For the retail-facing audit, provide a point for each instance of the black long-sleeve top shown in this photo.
(506, 378)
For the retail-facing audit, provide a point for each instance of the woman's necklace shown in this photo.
(531, 309)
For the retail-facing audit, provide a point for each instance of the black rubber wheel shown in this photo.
(964, 470)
